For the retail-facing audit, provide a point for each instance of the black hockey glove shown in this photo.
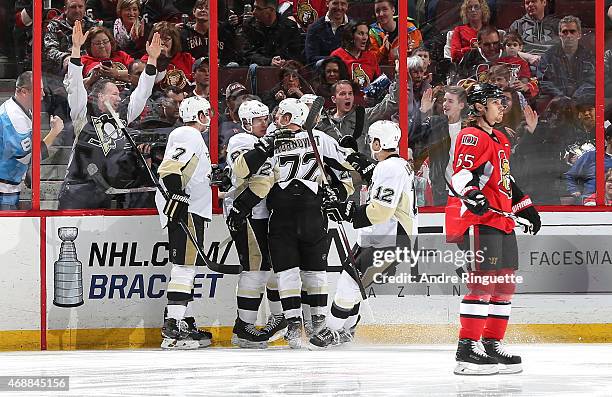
(525, 209)
(362, 164)
(176, 207)
(477, 202)
(220, 177)
(236, 220)
(336, 210)
(265, 144)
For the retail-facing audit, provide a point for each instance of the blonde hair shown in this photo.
(484, 7)
(123, 4)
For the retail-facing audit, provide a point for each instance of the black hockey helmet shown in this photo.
(480, 92)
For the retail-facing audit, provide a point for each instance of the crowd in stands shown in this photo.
(541, 56)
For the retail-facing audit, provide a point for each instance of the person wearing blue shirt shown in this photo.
(581, 177)
(15, 141)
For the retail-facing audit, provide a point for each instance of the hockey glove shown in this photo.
(236, 220)
(220, 177)
(362, 164)
(526, 210)
(476, 202)
(265, 144)
(176, 207)
(339, 211)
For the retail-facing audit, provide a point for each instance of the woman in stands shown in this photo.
(289, 85)
(331, 70)
(176, 65)
(475, 15)
(355, 52)
(128, 28)
(102, 59)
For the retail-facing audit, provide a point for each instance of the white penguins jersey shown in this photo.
(239, 144)
(294, 159)
(187, 155)
(391, 199)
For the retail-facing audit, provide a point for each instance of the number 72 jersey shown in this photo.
(294, 159)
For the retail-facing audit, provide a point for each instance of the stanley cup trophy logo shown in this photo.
(67, 271)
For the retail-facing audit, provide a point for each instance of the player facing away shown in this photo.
(185, 173)
(297, 228)
(481, 174)
(251, 236)
(390, 211)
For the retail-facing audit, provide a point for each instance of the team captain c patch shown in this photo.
(470, 140)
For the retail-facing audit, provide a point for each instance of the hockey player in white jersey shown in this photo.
(297, 228)
(251, 237)
(390, 211)
(185, 173)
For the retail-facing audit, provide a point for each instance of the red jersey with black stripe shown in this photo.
(481, 161)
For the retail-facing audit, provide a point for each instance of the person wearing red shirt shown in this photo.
(175, 64)
(481, 176)
(360, 62)
(102, 59)
(475, 14)
(521, 80)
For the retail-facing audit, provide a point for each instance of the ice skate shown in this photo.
(248, 337)
(204, 338)
(276, 327)
(328, 337)
(176, 337)
(318, 323)
(293, 336)
(508, 362)
(472, 360)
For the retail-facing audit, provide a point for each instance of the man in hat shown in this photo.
(201, 78)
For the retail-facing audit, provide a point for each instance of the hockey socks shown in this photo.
(473, 317)
(497, 320)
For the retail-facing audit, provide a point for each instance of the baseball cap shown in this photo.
(199, 62)
(234, 89)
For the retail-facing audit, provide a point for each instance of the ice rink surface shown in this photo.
(357, 370)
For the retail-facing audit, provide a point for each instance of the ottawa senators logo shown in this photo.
(175, 77)
(360, 76)
(306, 14)
(504, 175)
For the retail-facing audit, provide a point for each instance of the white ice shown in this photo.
(406, 370)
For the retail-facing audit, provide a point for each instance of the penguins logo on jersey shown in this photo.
(504, 175)
(108, 133)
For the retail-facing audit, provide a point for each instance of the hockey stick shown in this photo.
(212, 265)
(308, 126)
(99, 180)
(527, 226)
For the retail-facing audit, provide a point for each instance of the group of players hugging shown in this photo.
(283, 182)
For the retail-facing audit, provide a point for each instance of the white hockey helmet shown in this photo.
(388, 134)
(191, 107)
(251, 109)
(299, 111)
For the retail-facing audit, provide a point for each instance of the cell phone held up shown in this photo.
(107, 64)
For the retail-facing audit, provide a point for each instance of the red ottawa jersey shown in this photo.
(481, 161)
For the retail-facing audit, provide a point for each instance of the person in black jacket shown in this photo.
(271, 39)
(324, 35)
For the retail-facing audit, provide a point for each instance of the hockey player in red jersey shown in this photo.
(481, 176)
